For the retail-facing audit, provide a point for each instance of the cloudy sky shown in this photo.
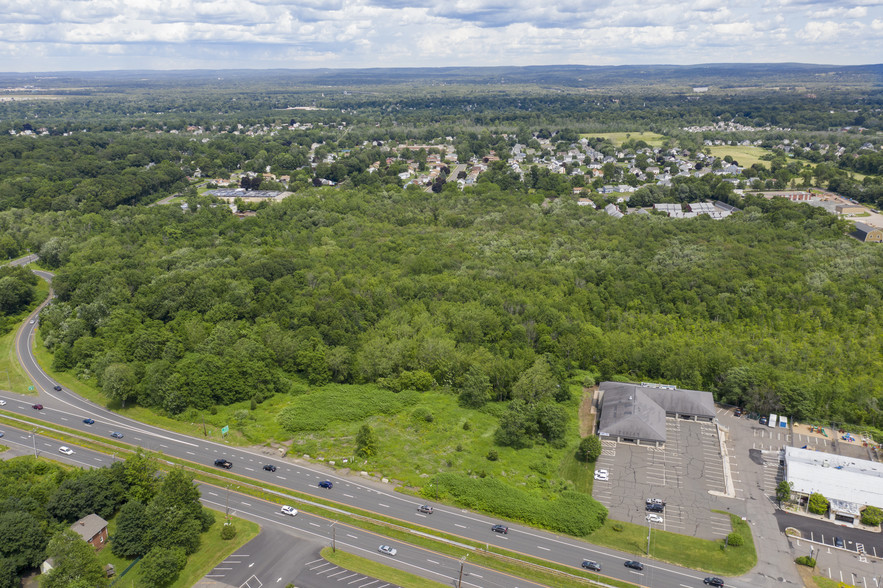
(55, 35)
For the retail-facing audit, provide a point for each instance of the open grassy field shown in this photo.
(652, 139)
(212, 551)
(746, 155)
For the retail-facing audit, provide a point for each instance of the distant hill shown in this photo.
(717, 75)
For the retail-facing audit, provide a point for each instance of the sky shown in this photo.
(66, 35)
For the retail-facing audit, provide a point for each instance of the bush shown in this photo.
(492, 455)
(818, 504)
(228, 532)
(618, 527)
(805, 560)
(589, 449)
(735, 540)
(872, 516)
(466, 426)
(569, 512)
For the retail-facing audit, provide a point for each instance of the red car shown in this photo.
(37, 407)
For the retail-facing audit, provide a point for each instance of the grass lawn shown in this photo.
(652, 139)
(700, 554)
(212, 551)
(823, 582)
(581, 473)
(746, 155)
(12, 376)
(354, 563)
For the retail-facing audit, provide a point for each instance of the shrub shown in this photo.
(589, 449)
(228, 532)
(818, 504)
(805, 560)
(617, 527)
(735, 540)
(872, 516)
(569, 512)
(492, 455)
(466, 426)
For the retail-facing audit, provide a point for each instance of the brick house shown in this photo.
(93, 529)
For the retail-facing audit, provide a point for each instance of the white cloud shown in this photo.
(820, 31)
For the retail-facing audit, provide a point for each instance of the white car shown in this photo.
(65, 450)
(654, 518)
(602, 475)
(2, 403)
(387, 550)
(289, 510)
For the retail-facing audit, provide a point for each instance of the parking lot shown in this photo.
(682, 474)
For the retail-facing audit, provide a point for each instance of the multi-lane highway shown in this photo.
(314, 530)
(66, 408)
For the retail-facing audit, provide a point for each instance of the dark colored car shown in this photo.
(270, 467)
(89, 421)
(635, 565)
(713, 581)
(737, 413)
(37, 407)
(654, 508)
(591, 565)
(223, 463)
(762, 421)
(500, 529)
(838, 542)
(57, 388)
(116, 435)
(326, 484)
(425, 508)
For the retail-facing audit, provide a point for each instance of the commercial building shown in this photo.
(636, 413)
(848, 483)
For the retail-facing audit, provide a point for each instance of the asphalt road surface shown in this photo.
(68, 409)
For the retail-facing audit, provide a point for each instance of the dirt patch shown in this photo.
(587, 413)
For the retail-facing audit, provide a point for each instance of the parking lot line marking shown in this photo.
(345, 577)
(369, 583)
(309, 563)
(358, 580)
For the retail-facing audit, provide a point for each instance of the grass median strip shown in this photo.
(384, 573)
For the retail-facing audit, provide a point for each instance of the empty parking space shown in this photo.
(683, 473)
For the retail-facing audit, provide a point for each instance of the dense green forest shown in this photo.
(773, 308)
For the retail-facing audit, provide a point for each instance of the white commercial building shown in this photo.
(848, 483)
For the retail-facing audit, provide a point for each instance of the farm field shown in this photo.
(744, 154)
(652, 139)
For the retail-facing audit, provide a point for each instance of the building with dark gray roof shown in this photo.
(636, 413)
(867, 233)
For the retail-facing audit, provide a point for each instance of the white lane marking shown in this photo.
(349, 495)
(543, 548)
(353, 536)
(315, 525)
(459, 525)
(190, 453)
(432, 561)
(383, 505)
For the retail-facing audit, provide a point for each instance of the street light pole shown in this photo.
(462, 563)
(34, 439)
(649, 527)
(227, 504)
(333, 539)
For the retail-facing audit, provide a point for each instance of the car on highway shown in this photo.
(654, 508)
(289, 510)
(326, 484)
(116, 435)
(32, 321)
(37, 407)
(591, 565)
(1, 434)
(838, 542)
(223, 463)
(270, 467)
(602, 475)
(424, 508)
(89, 421)
(635, 565)
(500, 529)
(387, 550)
(65, 450)
(654, 518)
(57, 388)
(713, 581)
(2, 403)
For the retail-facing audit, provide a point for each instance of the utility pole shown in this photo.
(34, 438)
(227, 504)
(333, 540)
(462, 562)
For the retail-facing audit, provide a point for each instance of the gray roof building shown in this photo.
(89, 526)
(637, 412)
